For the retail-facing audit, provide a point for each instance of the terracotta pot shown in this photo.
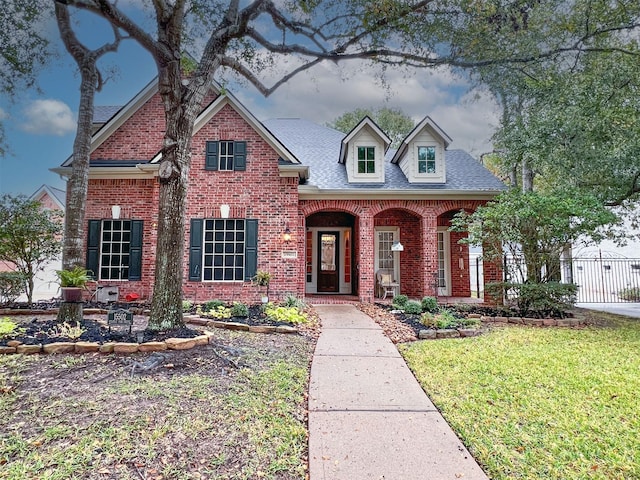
(71, 294)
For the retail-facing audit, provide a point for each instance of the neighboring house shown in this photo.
(45, 282)
(321, 211)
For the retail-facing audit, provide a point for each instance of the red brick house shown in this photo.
(320, 210)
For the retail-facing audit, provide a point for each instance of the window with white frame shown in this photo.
(224, 250)
(426, 159)
(225, 156)
(366, 159)
(114, 249)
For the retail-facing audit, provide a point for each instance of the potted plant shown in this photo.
(262, 279)
(72, 282)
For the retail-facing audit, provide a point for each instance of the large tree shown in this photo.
(246, 38)
(29, 237)
(91, 81)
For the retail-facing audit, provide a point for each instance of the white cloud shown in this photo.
(328, 90)
(48, 117)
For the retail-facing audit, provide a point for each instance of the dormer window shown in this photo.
(366, 160)
(426, 159)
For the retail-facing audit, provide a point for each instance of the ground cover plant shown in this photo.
(233, 409)
(533, 403)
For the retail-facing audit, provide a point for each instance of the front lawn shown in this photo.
(532, 403)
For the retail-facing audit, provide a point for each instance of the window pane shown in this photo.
(114, 250)
(223, 250)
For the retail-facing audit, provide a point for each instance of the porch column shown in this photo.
(366, 257)
(430, 254)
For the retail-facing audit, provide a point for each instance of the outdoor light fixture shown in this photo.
(115, 212)
(286, 236)
(224, 211)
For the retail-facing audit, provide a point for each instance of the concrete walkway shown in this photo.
(368, 416)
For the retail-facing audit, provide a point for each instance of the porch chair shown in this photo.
(386, 283)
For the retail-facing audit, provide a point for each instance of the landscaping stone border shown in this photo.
(433, 334)
(14, 346)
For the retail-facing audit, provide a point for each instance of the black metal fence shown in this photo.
(599, 280)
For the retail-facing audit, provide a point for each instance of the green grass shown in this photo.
(534, 403)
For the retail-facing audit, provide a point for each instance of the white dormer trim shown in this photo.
(368, 138)
(427, 138)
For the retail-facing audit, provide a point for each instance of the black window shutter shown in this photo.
(93, 248)
(135, 251)
(240, 156)
(195, 250)
(251, 250)
(211, 156)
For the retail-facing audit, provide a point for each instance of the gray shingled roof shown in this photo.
(319, 147)
(102, 113)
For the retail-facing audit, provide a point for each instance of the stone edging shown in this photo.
(14, 346)
(433, 334)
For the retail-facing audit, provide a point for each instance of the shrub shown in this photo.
(212, 304)
(538, 299)
(446, 319)
(292, 301)
(219, 312)
(399, 301)
(280, 313)
(9, 328)
(428, 320)
(12, 285)
(630, 294)
(187, 305)
(413, 307)
(239, 309)
(429, 304)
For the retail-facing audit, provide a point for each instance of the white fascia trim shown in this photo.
(142, 171)
(306, 192)
(365, 121)
(301, 171)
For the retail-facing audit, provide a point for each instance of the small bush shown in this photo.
(280, 313)
(428, 320)
(219, 312)
(399, 301)
(538, 299)
(446, 319)
(630, 294)
(9, 328)
(239, 309)
(413, 307)
(212, 304)
(187, 305)
(292, 301)
(429, 304)
(12, 285)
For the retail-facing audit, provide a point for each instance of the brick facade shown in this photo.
(261, 192)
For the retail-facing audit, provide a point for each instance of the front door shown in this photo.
(328, 277)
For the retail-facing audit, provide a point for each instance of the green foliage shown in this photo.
(12, 285)
(536, 226)
(631, 294)
(399, 301)
(29, 236)
(9, 328)
(445, 319)
(292, 301)
(75, 277)
(537, 299)
(262, 278)
(239, 309)
(392, 121)
(280, 313)
(413, 307)
(187, 305)
(219, 312)
(429, 304)
(212, 304)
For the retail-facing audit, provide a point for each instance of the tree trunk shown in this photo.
(77, 186)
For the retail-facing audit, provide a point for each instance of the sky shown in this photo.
(40, 123)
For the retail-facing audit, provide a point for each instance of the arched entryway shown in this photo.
(330, 253)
